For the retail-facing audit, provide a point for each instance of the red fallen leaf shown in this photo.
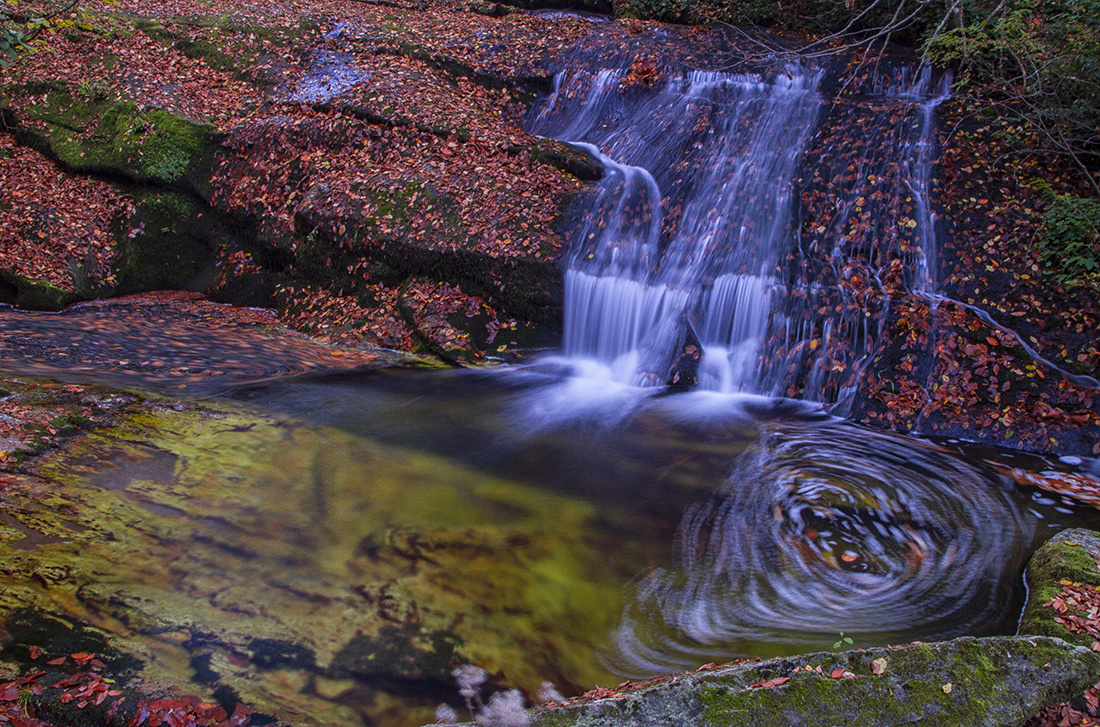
(141, 715)
(242, 717)
(9, 692)
(58, 661)
(769, 683)
(35, 652)
(840, 673)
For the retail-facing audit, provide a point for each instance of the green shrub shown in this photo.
(1070, 239)
(666, 11)
(12, 41)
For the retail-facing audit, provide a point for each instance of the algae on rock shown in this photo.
(1072, 557)
(967, 682)
(94, 134)
(315, 574)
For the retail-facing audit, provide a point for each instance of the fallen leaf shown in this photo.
(769, 683)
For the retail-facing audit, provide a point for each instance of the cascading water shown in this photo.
(692, 216)
(692, 226)
(867, 235)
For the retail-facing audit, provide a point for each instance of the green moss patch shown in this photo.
(23, 292)
(91, 133)
(967, 682)
(1068, 558)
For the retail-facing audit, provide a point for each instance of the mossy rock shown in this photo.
(169, 243)
(22, 292)
(525, 287)
(971, 682)
(93, 134)
(569, 158)
(1072, 556)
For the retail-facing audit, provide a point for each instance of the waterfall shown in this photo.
(694, 225)
(695, 206)
(868, 235)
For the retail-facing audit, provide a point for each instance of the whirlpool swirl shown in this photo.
(827, 530)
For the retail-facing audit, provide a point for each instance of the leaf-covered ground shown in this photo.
(999, 302)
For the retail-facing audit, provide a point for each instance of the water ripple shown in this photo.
(820, 532)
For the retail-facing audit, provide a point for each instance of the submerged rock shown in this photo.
(972, 682)
(313, 575)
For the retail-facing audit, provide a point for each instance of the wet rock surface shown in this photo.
(991, 681)
(362, 168)
(170, 557)
(1063, 579)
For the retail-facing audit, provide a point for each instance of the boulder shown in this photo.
(1062, 580)
(91, 132)
(968, 681)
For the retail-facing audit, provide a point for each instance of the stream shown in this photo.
(327, 546)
